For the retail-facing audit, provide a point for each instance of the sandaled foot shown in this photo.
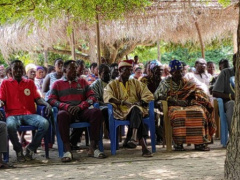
(147, 153)
(201, 147)
(179, 147)
(129, 145)
(67, 157)
(20, 156)
(97, 154)
(132, 143)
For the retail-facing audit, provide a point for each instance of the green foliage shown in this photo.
(36, 58)
(2, 60)
(51, 58)
(26, 58)
(225, 3)
(86, 10)
(145, 53)
(169, 51)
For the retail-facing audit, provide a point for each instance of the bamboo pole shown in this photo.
(98, 40)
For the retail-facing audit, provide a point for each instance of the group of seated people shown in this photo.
(73, 93)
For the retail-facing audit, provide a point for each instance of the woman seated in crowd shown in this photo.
(38, 81)
(52, 77)
(138, 73)
(152, 81)
(189, 109)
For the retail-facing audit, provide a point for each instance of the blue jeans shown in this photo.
(13, 122)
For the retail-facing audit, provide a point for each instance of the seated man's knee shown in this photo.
(136, 109)
(63, 113)
(96, 112)
(43, 123)
(64, 118)
(11, 124)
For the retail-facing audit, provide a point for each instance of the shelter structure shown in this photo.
(177, 21)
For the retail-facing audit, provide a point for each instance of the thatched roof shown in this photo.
(165, 20)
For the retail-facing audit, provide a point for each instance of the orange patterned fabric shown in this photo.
(188, 124)
(193, 124)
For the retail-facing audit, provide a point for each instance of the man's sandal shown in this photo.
(179, 147)
(132, 143)
(201, 147)
(147, 153)
(67, 157)
(97, 154)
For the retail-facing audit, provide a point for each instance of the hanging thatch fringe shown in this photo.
(168, 21)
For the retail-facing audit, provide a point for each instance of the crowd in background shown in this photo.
(177, 83)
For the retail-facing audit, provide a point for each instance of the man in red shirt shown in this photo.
(72, 96)
(19, 96)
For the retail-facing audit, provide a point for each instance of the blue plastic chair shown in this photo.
(115, 123)
(232, 81)
(40, 111)
(223, 123)
(73, 125)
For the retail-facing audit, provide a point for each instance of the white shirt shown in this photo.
(202, 83)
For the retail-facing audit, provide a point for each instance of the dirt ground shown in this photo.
(127, 164)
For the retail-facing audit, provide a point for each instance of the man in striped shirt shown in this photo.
(73, 96)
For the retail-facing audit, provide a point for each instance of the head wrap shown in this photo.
(40, 67)
(124, 63)
(30, 66)
(175, 65)
(154, 63)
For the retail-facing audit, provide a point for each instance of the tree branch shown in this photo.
(67, 52)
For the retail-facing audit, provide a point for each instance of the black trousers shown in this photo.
(136, 121)
(77, 133)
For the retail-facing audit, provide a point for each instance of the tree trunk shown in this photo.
(232, 162)
(118, 50)
(68, 52)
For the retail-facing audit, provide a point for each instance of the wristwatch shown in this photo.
(90, 101)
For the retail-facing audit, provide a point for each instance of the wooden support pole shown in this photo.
(73, 45)
(98, 40)
(200, 38)
(45, 54)
(158, 51)
(235, 45)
